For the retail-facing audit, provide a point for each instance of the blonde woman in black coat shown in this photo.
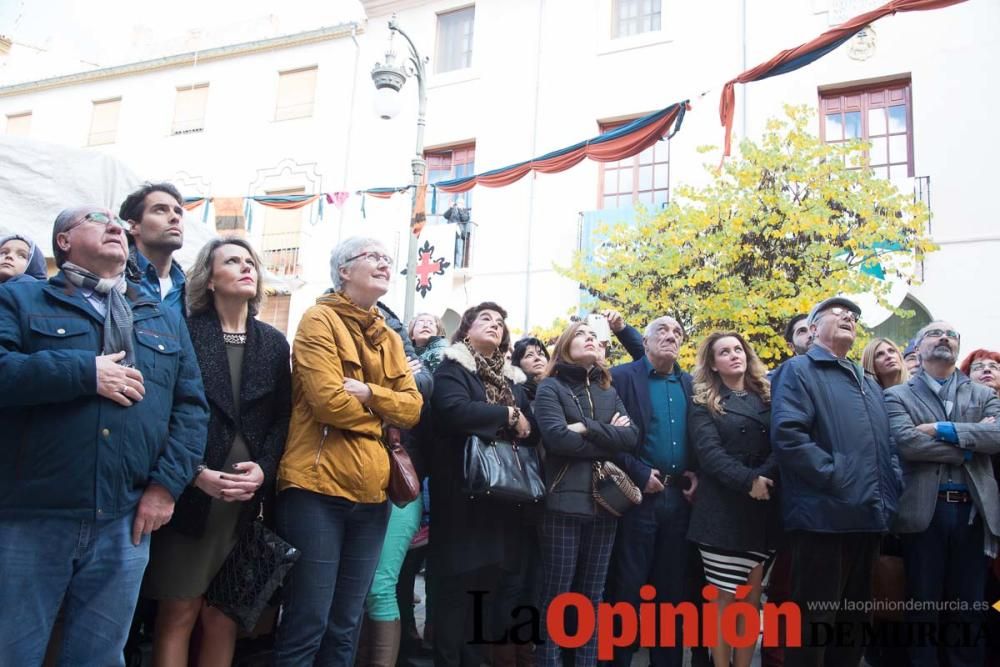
(735, 520)
(245, 367)
(581, 420)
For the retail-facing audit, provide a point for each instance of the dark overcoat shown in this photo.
(265, 408)
(734, 449)
(469, 534)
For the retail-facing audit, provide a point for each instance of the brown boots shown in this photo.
(378, 645)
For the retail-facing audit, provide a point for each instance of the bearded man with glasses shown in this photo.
(949, 515)
(104, 416)
(840, 481)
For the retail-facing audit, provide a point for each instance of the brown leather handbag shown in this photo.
(404, 485)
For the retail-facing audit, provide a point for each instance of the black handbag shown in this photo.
(251, 574)
(502, 470)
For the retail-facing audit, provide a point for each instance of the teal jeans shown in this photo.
(403, 523)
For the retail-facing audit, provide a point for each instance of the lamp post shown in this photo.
(389, 80)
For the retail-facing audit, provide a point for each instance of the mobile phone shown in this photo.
(600, 325)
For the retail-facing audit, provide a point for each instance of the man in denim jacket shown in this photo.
(104, 420)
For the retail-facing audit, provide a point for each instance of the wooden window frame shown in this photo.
(275, 311)
(17, 117)
(441, 62)
(178, 127)
(616, 19)
(863, 91)
(285, 259)
(93, 112)
(282, 113)
(467, 158)
(607, 126)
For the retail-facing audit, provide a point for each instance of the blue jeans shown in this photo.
(651, 547)
(90, 567)
(324, 594)
(946, 562)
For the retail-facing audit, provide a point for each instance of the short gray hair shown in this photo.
(343, 251)
(933, 324)
(651, 327)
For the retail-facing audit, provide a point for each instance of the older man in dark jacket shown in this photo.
(651, 544)
(840, 479)
(103, 413)
(949, 515)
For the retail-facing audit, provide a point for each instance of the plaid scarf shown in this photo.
(490, 371)
(118, 314)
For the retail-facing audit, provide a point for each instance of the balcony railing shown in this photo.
(282, 262)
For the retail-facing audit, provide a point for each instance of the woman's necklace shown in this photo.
(234, 338)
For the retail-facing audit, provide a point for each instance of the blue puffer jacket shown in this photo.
(68, 452)
(830, 433)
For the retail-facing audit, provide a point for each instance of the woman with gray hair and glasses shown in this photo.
(350, 378)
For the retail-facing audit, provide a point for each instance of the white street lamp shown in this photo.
(389, 80)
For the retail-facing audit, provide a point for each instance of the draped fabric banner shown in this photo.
(419, 210)
(792, 59)
(191, 203)
(618, 144)
(285, 201)
(384, 193)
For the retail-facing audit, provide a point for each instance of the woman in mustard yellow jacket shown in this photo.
(349, 377)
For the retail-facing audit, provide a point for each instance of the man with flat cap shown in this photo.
(840, 480)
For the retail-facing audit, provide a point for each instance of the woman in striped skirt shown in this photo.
(735, 521)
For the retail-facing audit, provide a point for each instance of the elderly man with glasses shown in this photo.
(840, 482)
(949, 515)
(104, 420)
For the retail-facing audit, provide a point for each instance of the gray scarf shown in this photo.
(118, 315)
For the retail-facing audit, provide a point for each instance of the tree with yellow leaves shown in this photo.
(783, 226)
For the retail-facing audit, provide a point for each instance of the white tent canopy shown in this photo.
(37, 180)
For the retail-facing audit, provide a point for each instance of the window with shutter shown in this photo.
(296, 94)
(104, 122)
(189, 109)
(19, 124)
(282, 236)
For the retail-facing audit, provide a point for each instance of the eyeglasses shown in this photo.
(373, 257)
(938, 333)
(97, 217)
(840, 312)
(985, 366)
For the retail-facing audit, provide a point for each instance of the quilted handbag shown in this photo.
(613, 489)
(251, 574)
(502, 470)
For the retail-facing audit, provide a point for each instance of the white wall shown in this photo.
(544, 74)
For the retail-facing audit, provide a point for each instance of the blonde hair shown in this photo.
(868, 361)
(199, 298)
(560, 354)
(708, 384)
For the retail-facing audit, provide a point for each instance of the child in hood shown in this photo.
(21, 260)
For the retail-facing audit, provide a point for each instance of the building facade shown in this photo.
(511, 79)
